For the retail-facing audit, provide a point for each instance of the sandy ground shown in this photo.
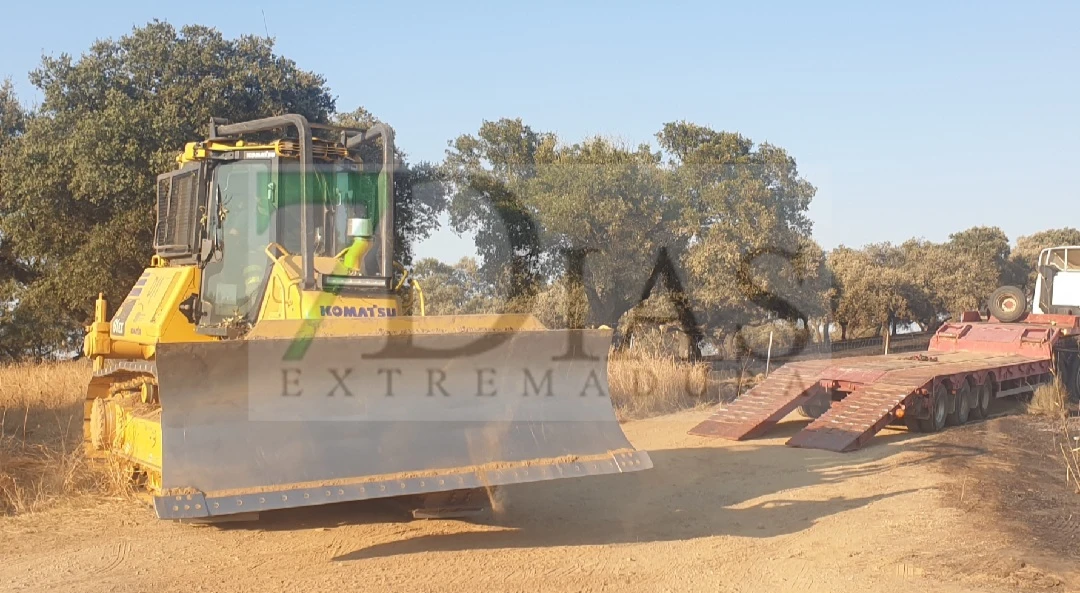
(908, 513)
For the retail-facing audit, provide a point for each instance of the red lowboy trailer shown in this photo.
(967, 365)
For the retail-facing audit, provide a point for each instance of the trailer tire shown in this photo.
(961, 406)
(939, 408)
(984, 395)
(1008, 304)
(814, 408)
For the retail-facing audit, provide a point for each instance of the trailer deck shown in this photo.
(867, 393)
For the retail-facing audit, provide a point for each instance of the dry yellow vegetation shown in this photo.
(41, 413)
(644, 385)
(1049, 399)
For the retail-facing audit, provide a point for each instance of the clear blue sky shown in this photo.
(912, 119)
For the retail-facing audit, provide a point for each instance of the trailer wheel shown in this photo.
(814, 408)
(1008, 304)
(984, 394)
(961, 406)
(939, 410)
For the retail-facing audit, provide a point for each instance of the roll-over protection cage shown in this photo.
(182, 195)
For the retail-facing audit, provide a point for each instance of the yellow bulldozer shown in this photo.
(264, 360)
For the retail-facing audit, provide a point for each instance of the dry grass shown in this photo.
(1052, 400)
(644, 385)
(1069, 443)
(1049, 400)
(41, 458)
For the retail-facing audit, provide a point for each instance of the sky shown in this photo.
(912, 119)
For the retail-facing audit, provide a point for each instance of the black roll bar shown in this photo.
(221, 128)
(218, 129)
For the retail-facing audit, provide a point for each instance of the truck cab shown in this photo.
(1057, 286)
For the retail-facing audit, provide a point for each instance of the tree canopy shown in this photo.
(709, 209)
(743, 215)
(454, 289)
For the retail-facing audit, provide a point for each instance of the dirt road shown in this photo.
(904, 514)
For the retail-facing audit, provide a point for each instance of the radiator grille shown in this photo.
(177, 213)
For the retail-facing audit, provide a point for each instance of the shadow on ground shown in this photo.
(690, 493)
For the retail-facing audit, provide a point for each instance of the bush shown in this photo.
(1049, 399)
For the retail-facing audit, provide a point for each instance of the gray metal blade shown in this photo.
(244, 419)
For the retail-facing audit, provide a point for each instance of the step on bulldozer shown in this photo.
(264, 359)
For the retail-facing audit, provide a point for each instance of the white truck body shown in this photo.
(1057, 286)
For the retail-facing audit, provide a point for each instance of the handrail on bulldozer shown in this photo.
(386, 200)
(354, 137)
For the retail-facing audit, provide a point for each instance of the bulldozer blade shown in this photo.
(248, 426)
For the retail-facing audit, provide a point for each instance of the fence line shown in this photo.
(840, 348)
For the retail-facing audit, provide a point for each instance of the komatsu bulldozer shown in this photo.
(264, 359)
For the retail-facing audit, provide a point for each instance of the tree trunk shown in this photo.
(625, 337)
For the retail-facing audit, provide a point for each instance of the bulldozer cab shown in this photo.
(236, 208)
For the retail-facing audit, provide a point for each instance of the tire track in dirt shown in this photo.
(67, 566)
(112, 560)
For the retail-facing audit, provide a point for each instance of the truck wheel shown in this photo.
(939, 408)
(984, 394)
(961, 406)
(1008, 304)
(814, 408)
